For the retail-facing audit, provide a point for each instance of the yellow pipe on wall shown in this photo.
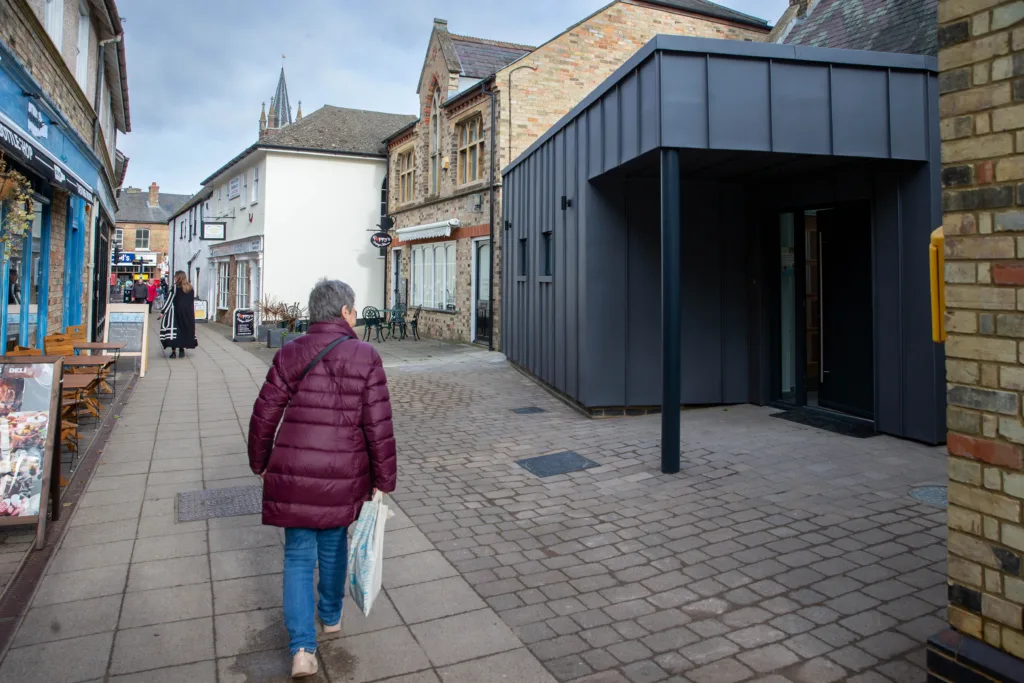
(937, 267)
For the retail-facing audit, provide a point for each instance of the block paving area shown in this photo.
(780, 553)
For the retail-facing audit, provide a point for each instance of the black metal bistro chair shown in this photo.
(397, 324)
(372, 320)
(414, 323)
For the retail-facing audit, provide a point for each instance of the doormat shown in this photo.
(838, 424)
(556, 463)
(529, 410)
(194, 506)
(931, 495)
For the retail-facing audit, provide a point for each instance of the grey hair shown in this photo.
(328, 298)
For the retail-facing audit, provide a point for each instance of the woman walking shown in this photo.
(178, 320)
(335, 446)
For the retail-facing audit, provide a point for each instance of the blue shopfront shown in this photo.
(38, 141)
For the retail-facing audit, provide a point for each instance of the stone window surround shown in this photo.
(475, 122)
(406, 195)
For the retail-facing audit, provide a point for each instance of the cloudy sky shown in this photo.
(198, 70)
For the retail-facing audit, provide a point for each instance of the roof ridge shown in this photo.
(367, 111)
(495, 43)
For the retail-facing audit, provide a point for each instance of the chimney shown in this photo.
(441, 24)
(154, 195)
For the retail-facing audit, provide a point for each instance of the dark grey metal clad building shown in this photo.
(725, 222)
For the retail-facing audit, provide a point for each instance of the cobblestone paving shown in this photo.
(779, 553)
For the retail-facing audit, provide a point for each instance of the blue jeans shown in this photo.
(302, 549)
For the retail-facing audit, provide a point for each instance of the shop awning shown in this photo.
(428, 230)
(20, 147)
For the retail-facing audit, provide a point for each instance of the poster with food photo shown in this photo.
(25, 396)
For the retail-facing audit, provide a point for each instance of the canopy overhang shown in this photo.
(428, 230)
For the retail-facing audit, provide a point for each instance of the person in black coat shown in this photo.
(178, 319)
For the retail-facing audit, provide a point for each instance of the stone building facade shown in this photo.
(144, 232)
(63, 69)
(981, 109)
(458, 74)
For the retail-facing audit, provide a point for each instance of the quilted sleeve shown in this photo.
(266, 415)
(380, 436)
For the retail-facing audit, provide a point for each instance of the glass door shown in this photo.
(482, 294)
(791, 323)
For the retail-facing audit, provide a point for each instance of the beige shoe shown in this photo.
(336, 628)
(304, 664)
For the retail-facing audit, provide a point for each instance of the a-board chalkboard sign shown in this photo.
(244, 325)
(128, 324)
(127, 329)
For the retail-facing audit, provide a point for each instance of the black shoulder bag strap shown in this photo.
(319, 357)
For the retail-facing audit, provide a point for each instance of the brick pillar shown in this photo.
(981, 84)
(58, 228)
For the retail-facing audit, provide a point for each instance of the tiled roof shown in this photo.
(331, 129)
(480, 58)
(337, 129)
(710, 9)
(133, 207)
(908, 26)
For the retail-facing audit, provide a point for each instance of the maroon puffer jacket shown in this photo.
(336, 441)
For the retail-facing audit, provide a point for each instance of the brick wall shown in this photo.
(573, 64)
(568, 68)
(159, 238)
(58, 228)
(981, 58)
(22, 32)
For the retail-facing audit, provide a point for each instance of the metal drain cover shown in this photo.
(556, 463)
(194, 506)
(931, 495)
(529, 410)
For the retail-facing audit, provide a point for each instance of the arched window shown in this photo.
(435, 141)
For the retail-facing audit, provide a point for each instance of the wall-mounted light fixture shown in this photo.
(566, 202)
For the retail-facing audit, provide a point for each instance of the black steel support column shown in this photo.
(671, 309)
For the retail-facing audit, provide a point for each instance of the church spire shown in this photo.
(263, 120)
(298, 115)
(282, 108)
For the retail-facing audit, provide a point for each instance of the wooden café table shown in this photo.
(100, 364)
(103, 347)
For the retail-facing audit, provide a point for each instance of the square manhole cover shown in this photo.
(194, 506)
(556, 463)
(529, 410)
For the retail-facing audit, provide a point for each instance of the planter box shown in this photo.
(261, 333)
(289, 336)
(275, 337)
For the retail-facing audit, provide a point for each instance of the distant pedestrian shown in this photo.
(178, 319)
(151, 292)
(335, 447)
(139, 292)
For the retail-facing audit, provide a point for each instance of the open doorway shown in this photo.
(825, 317)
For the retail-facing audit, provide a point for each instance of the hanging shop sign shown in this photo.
(213, 231)
(380, 239)
(21, 148)
(202, 309)
(29, 434)
(243, 327)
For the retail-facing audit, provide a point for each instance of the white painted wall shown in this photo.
(320, 212)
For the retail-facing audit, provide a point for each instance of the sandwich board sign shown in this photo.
(128, 324)
(243, 325)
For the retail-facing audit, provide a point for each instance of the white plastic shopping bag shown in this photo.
(366, 553)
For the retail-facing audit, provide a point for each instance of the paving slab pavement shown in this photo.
(779, 553)
(134, 595)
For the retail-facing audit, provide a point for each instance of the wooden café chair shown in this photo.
(63, 345)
